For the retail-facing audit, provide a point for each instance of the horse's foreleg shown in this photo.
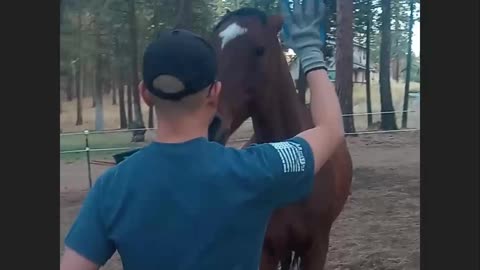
(316, 256)
(268, 262)
(286, 263)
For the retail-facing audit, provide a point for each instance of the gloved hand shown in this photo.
(301, 31)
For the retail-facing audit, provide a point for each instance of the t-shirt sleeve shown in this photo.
(88, 235)
(286, 169)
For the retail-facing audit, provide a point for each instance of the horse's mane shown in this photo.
(242, 12)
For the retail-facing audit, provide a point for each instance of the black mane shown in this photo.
(242, 12)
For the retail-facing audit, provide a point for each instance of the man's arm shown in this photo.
(303, 24)
(328, 132)
(87, 244)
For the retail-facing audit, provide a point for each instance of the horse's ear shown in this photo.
(275, 22)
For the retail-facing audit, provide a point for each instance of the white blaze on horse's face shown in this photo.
(231, 32)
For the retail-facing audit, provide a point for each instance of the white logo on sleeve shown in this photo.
(291, 155)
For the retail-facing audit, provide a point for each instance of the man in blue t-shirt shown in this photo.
(183, 202)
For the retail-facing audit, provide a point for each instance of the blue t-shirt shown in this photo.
(193, 205)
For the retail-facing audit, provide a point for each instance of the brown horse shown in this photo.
(257, 84)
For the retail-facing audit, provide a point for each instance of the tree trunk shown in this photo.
(409, 66)
(81, 76)
(93, 84)
(78, 93)
(93, 81)
(344, 61)
(301, 84)
(79, 72)
(156, 20)
(367, 64)
(396, 74)
(113, 81)
(114, 92)
(121, 97)
(388, 119)
(119, 82)
(184, 18)
(69, 84)
(105, 85)
(129, 104)
(134, 55)
(98, 95)
(83, 81)
(69, 87)
(105, 82)
(397, 63)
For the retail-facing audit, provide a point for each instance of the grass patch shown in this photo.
(96, 141)
(360, 102)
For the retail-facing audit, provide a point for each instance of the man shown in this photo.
(183, 202)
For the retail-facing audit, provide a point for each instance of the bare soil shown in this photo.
(379, 227)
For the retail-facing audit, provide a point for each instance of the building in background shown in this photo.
(359, 65)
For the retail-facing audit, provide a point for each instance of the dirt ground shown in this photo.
(379, 227)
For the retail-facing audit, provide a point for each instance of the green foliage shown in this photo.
(269, 6)
(204, 16)
(107, 19)
(399, 26)
(400, 18)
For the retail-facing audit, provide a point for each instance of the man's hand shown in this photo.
(302, 31)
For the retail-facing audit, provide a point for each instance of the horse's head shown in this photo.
(248, 50)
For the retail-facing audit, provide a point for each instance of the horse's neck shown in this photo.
(280, 115)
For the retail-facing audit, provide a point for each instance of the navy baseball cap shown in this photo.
(178, 63)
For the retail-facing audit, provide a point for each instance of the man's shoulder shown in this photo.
(107, 178)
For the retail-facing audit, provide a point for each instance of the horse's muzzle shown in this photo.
(215, 131)
(214, 127)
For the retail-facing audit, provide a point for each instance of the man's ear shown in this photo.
(218, 88)
(275, 22)
(146, 96)
(215, 91)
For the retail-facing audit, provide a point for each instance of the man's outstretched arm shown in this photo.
(303, 24)
(328, 132)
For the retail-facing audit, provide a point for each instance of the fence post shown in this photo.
(87, 151)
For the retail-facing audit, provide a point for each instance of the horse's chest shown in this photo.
(289, 226)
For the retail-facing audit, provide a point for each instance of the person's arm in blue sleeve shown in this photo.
(285, 170)
(87, 244)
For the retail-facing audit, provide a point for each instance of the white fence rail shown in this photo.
(87, 149)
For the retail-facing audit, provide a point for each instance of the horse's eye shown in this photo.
(259, 51)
